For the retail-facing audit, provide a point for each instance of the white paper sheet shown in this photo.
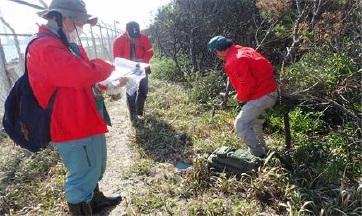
(134, 71)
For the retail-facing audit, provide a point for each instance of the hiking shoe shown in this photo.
(99, 201)
(83, 208)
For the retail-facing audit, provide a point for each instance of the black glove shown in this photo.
(148, 70)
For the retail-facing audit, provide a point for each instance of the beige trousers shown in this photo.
(249, 123)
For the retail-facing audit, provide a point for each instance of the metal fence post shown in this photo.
(94, 43)
(109, 42)
(104, 48)
(5, 80)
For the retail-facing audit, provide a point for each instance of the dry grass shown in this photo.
(32, 185)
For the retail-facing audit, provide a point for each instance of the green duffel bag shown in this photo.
(233, 160)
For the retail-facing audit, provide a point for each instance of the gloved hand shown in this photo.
(148, 70)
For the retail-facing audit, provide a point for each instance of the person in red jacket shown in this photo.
(252, 77)
(56, 65)
(137, 47)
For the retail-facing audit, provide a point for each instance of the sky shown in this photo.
(23, 18)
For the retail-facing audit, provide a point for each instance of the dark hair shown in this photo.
(226, 45)
(59, 20)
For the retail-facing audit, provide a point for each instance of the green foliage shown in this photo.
(281, 31)
(332, 154)
(210, 207)
(304, 122)
(320, 66)
(165, 69)
(184, 27)
(246, 207)
(141, 166)
(32, 180)
(148, 202)
(326, 166)
(301, 123)
(206, 87)
(198, 179)
(326, 156)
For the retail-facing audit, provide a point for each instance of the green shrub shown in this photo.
(330, 154)
(206, 87)
(332, 157)
(301, 123)
(165, 69)
(320, 65)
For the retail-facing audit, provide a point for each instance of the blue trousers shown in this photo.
(85, 161)
(136, 102)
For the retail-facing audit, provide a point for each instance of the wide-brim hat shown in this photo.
(72, 9)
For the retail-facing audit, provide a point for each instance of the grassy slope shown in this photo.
(170, 113)
(272, 190)
(32, 185)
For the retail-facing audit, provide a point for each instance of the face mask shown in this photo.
(75, 34)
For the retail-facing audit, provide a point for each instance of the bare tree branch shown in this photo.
(305, 90)
(29, 4)
(43, 3)
(316, 10)
(270, 30)
(341, 108)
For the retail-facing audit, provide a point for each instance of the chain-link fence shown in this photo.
(96, 40)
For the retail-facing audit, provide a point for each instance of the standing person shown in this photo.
(252, 77)
(137, 47)
(57, 66)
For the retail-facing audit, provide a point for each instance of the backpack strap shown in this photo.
(35, 37)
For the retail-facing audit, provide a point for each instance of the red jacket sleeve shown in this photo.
(148, 49)
(63, 69)
(118, 48)
(241, 78)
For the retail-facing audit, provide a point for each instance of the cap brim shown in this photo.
(92, 21)
(43, 13)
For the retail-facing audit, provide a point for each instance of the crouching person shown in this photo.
(57, 66)
(252, 77)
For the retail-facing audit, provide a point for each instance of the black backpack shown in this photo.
(25, 121)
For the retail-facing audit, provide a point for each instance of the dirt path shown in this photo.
(120, 157)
